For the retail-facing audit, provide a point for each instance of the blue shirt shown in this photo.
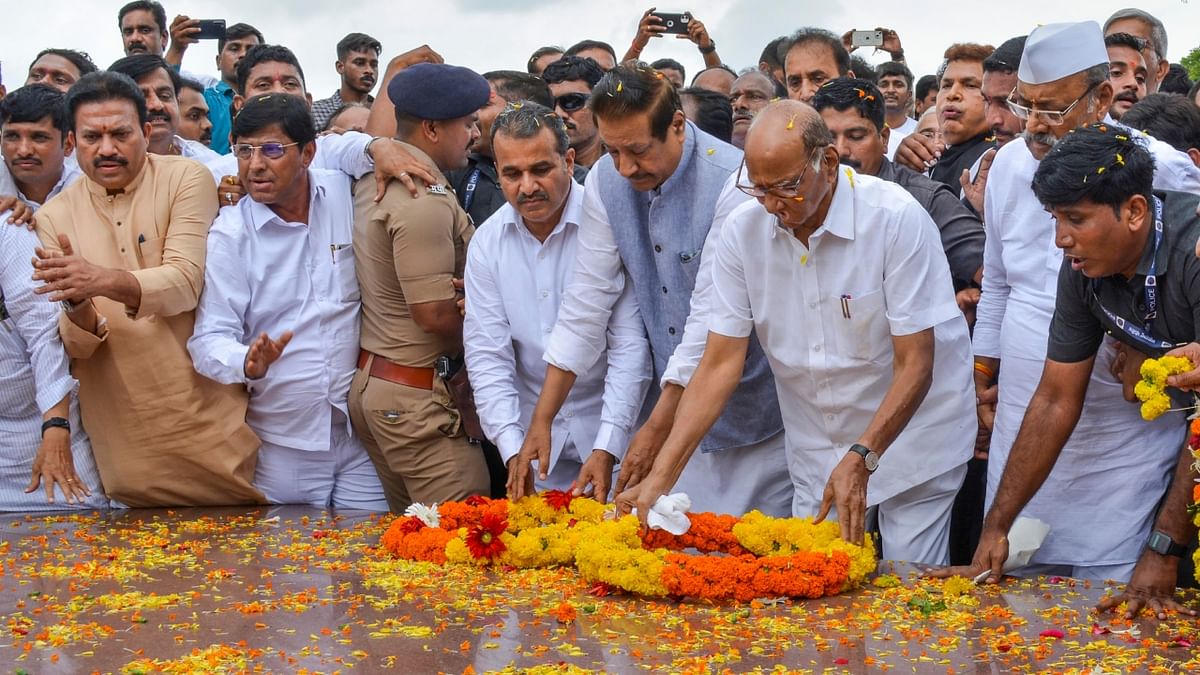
(220, 100)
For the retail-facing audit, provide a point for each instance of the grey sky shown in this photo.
(495, 34)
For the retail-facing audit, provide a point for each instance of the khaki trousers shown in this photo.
(414, 437)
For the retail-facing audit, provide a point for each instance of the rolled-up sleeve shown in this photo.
(729, 311)
(217, 345)
(346, 153)
(578, 337)
(173, 287)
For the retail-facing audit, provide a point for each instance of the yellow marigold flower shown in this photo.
(1155, 406)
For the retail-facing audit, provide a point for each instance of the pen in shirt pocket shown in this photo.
(846, 305)
(334, 248)
(141, 239)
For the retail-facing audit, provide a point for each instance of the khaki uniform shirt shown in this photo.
(162, 434)
(406, 252)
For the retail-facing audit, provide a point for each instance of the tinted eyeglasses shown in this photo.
(269, 150)
(571, 102)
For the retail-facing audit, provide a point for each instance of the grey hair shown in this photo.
(526, 119)
(1158, 32)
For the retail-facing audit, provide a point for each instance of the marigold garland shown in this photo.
(751, 557)
(1194, 509)
(1151, 389)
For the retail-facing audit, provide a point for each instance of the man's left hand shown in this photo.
(67, 276)
(1189, 381)
(1152, 586)
(596, 472)
(54, 465)
(847, 490)
(22, 213)
(393, 161)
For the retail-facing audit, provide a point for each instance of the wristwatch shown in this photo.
(870, 459)
(1161, 543)
(712, 47)
(56, 423)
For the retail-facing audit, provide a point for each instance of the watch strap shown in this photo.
(56, 423)
(1160, 542)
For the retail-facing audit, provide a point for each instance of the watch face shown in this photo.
(871, 460)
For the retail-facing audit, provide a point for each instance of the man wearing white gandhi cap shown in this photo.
(1097, 485)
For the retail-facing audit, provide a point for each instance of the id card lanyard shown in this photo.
(1142, 334)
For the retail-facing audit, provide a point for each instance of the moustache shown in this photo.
(539, 195)
(151, 117)
(851, 162)
(110, 161)
(367, 79)
(1045, 139)
(739, 115)
(1126, 95)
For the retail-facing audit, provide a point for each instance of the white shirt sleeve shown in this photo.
(993, 299)
(578, 337)
(627, 377)
(35, 317)
(491, 360)
(729, 310)
(917, 290)
(344, 152)
(695, 332)
(216, 345)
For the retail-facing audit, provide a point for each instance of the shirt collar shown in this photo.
(839, 220)
(570, 215)
(260, 214)
(222, 87)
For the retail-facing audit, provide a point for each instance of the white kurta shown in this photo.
(826, 315)
(1100, 497)
(898, 134)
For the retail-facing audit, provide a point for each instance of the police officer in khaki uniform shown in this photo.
(407, 250)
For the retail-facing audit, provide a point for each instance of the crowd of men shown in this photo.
(834, 280)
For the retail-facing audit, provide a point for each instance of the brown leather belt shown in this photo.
(421, 378)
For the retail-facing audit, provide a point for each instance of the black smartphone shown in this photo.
(676, 24)
(211, 29)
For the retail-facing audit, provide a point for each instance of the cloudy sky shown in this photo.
(494, 34)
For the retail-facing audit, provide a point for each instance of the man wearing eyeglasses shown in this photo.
(843, 279)
(1062, 84)
(571, 80)
(280, 309)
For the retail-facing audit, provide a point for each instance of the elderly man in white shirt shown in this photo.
(519, 263)
(280, 309)
(843, 278)
(1062, 84)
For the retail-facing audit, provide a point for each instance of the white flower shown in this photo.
(426, 514)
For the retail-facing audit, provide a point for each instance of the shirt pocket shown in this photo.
(150, 252)
(863, 333)
(344, 276)
(690, 262)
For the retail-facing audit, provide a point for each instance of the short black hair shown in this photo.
(513, 85)
(770, 53)
(714, 113)
(862, 70)
(1100, 163)
(102, 86)
(189, 83)
(584, 45)
(926, 84)
(357, 42)
(140, 64)
(892, 69)
(539, 53)
(1171, 118)
(265, 54)
(155, 9)
(804, 36)
(526, 119)
(34, 103)
(1176, 81)
(1135, 43)
(289, 112)
(238, 31)
(719, 66)
(1007, 57)
(343, 108)
(82, 62)
(672, 64)
(845, 93)
(570, 68)
(635, 88)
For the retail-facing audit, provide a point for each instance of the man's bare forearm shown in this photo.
(1173, 517)
(555, 389)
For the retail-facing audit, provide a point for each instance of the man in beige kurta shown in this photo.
(162, 434)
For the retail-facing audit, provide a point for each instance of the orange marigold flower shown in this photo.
(565, 612)
(483, 540)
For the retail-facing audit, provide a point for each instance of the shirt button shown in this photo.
(547, 329)
(570, 414)
(829, 417)
(671, 330)
(817, 348)
(664, 289)
(545, 294)
(657, 248)
(812, 305)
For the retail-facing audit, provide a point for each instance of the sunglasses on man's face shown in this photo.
(245, 151)
(571, 102)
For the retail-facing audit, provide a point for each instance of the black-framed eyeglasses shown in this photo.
(571, 102)
(269, 150)
(787, 190)
(1052, 117)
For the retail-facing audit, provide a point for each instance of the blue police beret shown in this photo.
(436, 91)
